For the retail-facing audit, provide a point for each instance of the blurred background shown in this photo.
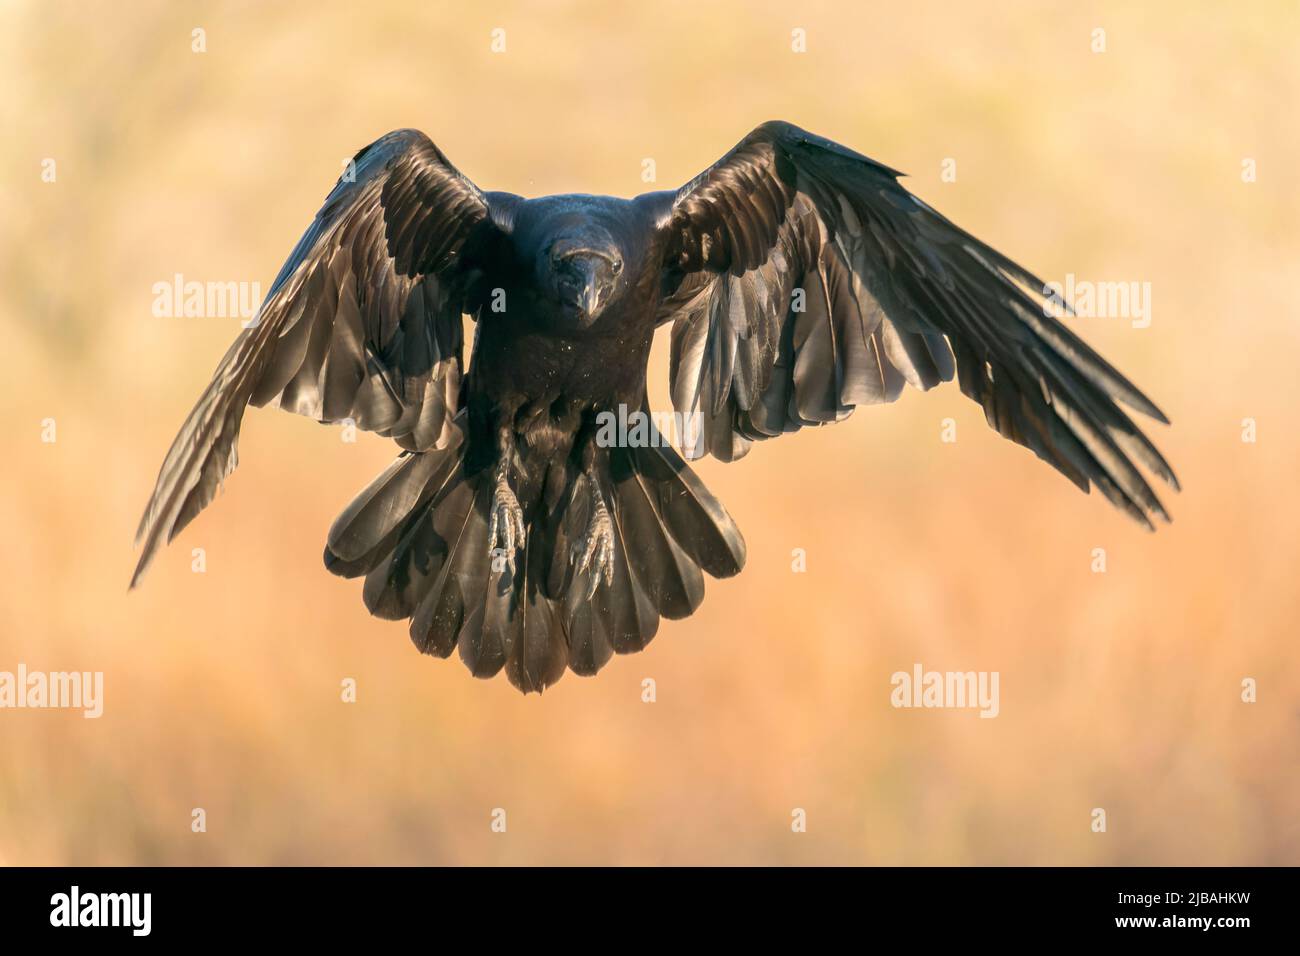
(1119, 690)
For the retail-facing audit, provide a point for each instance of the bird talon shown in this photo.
(597, 549)
(507, 525)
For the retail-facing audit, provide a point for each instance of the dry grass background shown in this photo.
(1118, 690)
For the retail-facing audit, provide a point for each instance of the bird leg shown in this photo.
(596, 550)
(507, 524)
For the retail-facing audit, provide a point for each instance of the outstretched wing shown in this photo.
(362, 323)
(802, 281)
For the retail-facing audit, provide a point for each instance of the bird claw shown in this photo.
(597, 550)
(507, 524)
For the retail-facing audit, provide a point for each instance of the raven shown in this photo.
(801, 280)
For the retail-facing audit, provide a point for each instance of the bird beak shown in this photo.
(591, 295)
(589, 272)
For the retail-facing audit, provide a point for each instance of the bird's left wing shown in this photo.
(363, 323)
(802, 280)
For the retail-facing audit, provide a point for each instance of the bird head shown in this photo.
(582, 270)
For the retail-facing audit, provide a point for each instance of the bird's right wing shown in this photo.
(363, 323)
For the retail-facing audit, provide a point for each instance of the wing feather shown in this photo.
(803, 280)
(363, 322)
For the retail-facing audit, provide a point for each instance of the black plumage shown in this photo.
(801, 280)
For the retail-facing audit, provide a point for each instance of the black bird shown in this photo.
(801, 280)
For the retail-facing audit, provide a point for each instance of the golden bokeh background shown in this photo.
(1119, 690)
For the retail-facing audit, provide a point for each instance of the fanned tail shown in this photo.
(419, 535)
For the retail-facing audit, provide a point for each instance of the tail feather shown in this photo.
(662, 567)
(394, 584)
(538, 652)
(481, 643)
(696, 519)
(635, 616)
(419, 535)
(398, 577)
(378, 511)
(441, 611)
(587, 637)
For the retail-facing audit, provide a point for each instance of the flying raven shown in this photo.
(801, 280)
